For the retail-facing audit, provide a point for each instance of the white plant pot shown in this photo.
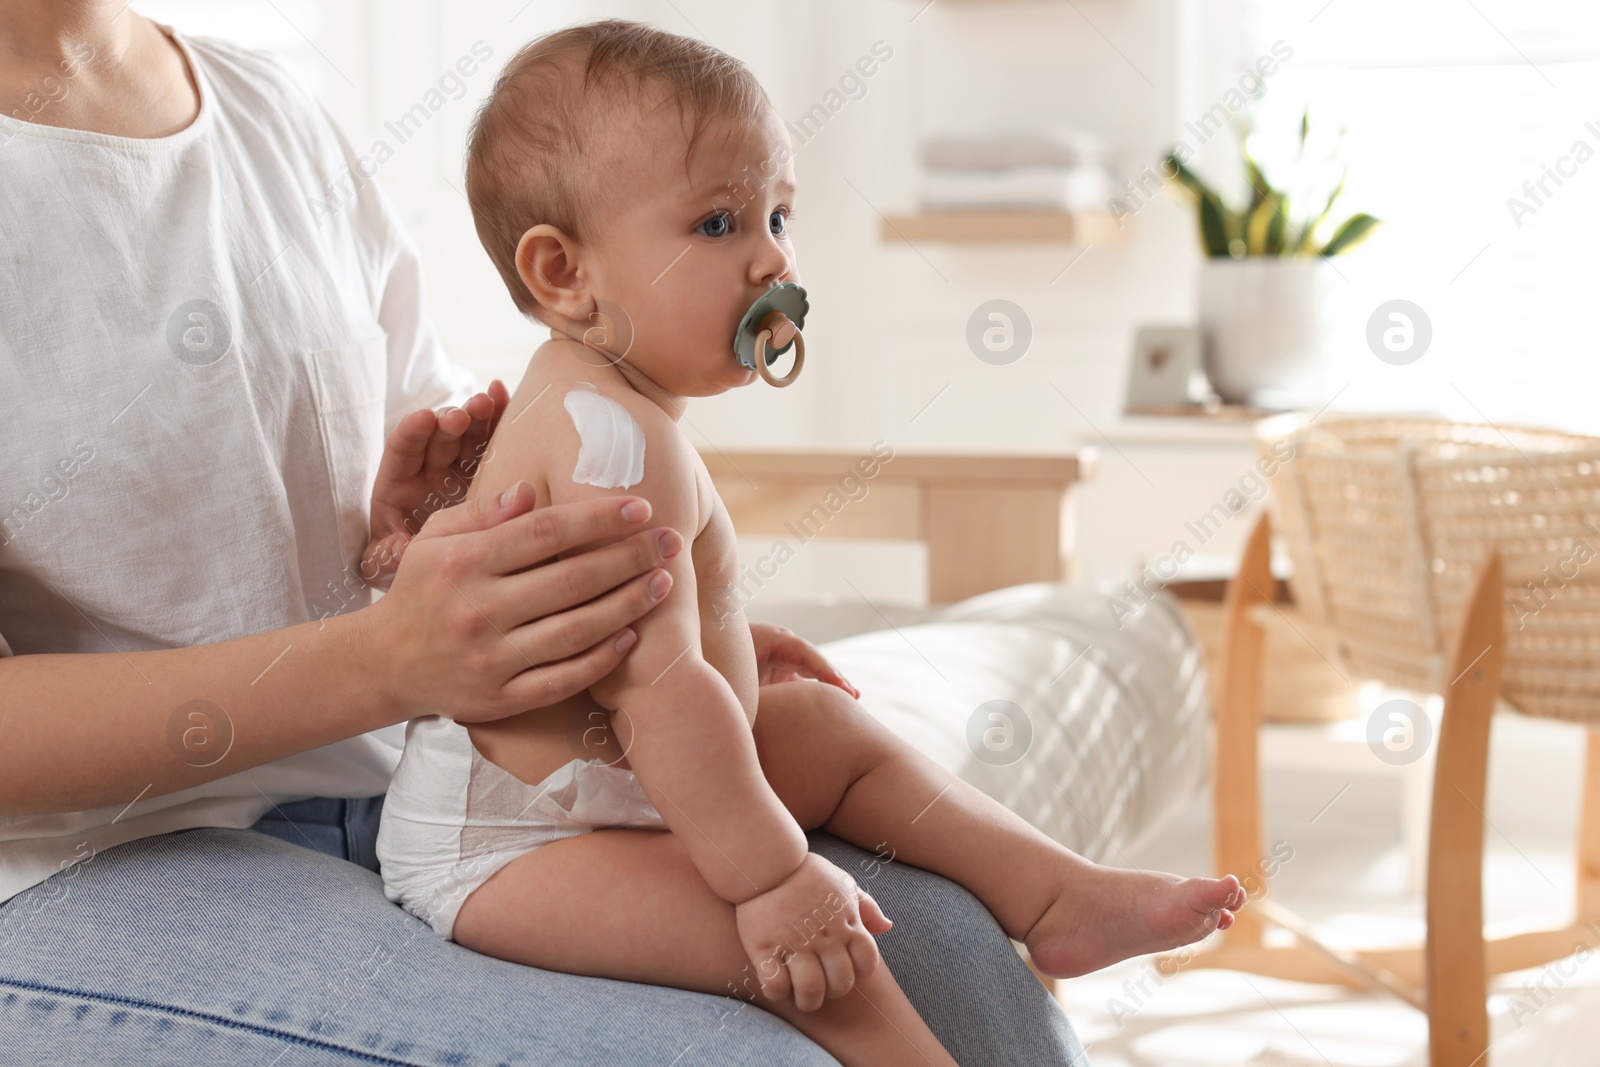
(1269, 326)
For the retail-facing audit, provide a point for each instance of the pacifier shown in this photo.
(768, 330)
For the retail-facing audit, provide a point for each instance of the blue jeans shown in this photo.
(237, 947)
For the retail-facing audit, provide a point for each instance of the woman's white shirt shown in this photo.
(204, 341)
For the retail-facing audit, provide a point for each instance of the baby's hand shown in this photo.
(783, 656)
(811, 934)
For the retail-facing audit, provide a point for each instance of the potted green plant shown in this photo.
(1269, 298)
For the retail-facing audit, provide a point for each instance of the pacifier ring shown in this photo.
(769, 328)
(761, 359)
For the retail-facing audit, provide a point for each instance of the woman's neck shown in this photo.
(45, 31)
(92, 65)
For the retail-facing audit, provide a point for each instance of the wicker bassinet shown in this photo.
(1387, 521)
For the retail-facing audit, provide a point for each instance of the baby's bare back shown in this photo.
(536, 743)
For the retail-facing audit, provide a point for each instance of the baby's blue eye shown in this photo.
(778, 222)
(721, 218)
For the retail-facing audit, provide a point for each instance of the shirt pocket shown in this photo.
(349, 384)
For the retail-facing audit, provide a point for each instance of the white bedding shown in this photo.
(1120, 719)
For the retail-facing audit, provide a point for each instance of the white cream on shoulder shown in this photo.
(611, 444)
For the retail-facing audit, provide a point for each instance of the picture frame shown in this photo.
(1166, 372)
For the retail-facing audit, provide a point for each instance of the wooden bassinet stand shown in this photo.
(1382, 518)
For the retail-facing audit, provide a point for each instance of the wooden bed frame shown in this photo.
(988, 521)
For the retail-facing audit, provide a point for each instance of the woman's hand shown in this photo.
(826, 959)
(427, 464)
(783, 655)
(482, 621)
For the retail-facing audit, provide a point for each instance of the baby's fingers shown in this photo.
(773, 973)
(872, 916)
(839, 970)
(863, 947)
(810, 984)
(864, 955)
(793, 648)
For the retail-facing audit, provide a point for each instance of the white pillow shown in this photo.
(1119, 718)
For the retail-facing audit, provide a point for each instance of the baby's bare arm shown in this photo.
(678, 719)
(689, 742)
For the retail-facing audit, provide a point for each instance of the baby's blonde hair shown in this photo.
(528, 153)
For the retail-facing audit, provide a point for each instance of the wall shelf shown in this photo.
(1004, 226)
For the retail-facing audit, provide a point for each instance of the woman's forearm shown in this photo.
(84, 730)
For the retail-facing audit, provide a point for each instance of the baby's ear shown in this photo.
(547, 265)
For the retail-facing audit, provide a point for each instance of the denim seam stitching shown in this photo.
(231, 1023)
(348, 820)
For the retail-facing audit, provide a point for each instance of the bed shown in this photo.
(1011, 677)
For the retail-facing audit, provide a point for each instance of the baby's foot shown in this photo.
(1113, 913)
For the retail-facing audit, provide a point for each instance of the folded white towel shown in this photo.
(1072, 189)
(993, 150)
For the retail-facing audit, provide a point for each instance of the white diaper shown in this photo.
(451, 818)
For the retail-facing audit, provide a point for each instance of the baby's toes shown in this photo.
(1230, 894)
(1215, 891)
(1209, 894)
(1197, 927)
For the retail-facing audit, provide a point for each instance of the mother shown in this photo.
(198, 376)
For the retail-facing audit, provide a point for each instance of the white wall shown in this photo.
(887, 332)
(889, 325)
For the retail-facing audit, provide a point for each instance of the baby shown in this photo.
(635, 188)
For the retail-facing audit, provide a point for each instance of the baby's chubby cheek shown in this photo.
(679, 330)
(696, 335)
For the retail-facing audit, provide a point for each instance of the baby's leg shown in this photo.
(836, 767)
(630, 905)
